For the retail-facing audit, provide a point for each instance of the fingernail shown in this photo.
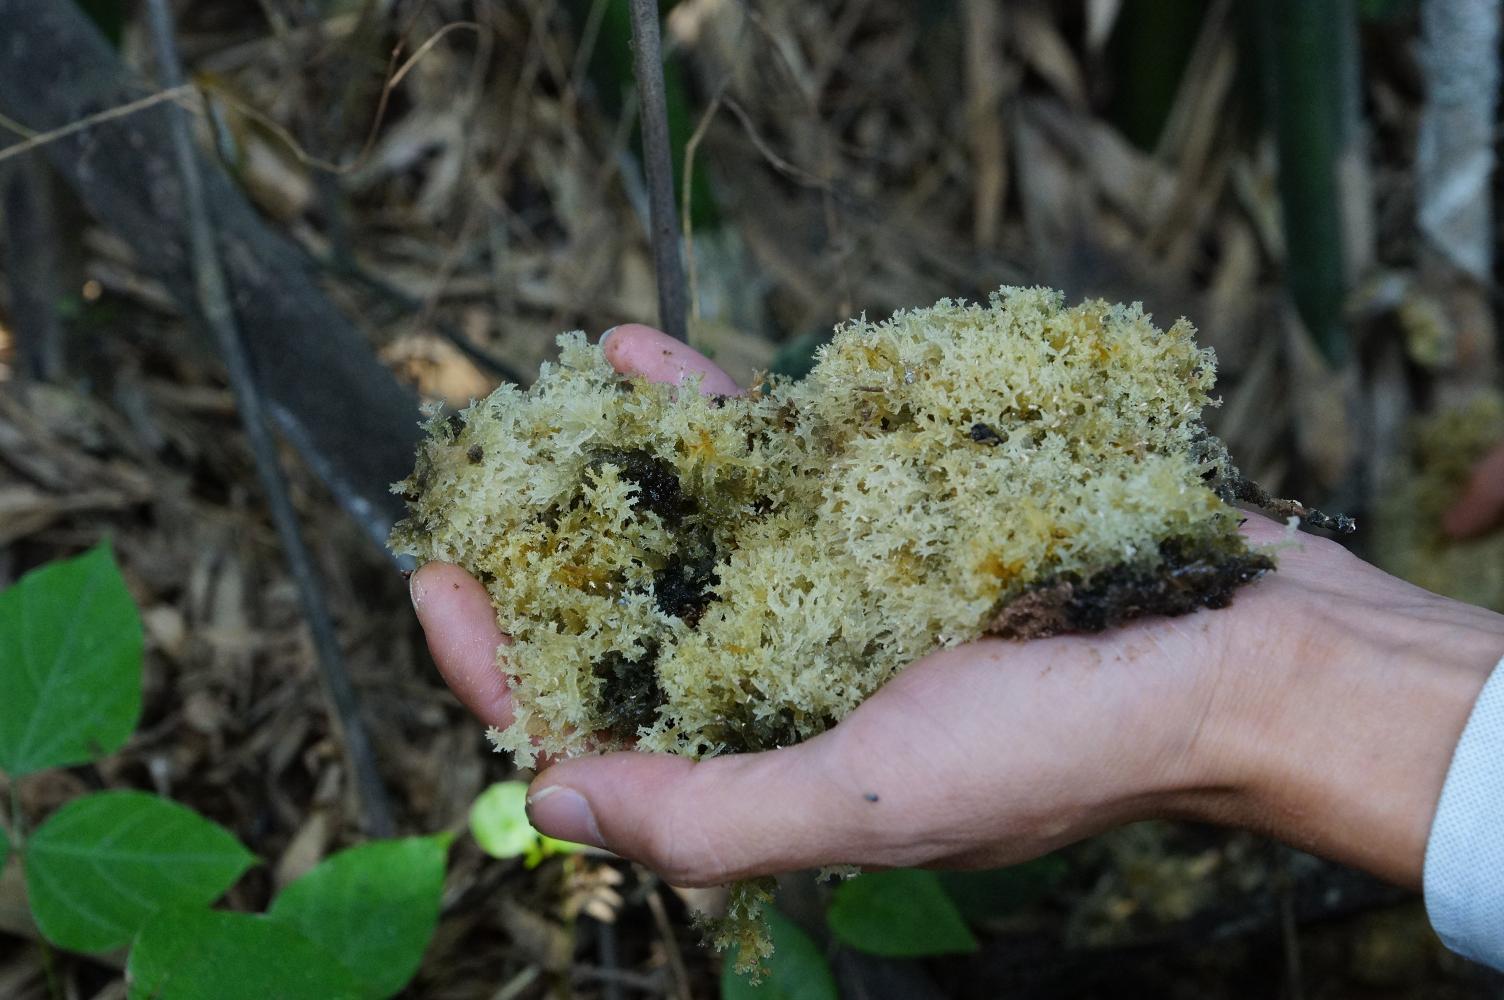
(604, 337)
(415, 589)
(564, 814)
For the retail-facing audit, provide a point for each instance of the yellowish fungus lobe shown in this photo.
(698, 574)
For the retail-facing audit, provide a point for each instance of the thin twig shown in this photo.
(213, 296)
(789, 170)
(34, 139)
(605, 946)
(184, 91)
(658, 159)
(670, 944)
(396, 74)
(1289, 930)
(1251, 492)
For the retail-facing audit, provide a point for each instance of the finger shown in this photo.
(634, 349)
(739, 816)
(460, 626)
(1482, 503)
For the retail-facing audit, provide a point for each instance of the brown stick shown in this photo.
(658, 163)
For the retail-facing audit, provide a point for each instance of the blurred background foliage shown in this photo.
(1311, 183)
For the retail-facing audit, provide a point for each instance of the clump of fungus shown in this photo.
(698, 574)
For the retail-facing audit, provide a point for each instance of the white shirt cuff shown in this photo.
(1464, 867)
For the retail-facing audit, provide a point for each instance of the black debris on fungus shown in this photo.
(629, 693)
(475, 454)
(682, 588)
(1191, 575)
(658, 486)
(983, 434)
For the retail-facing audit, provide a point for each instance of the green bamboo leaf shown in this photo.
(102, 865)
(373, 907)
(70, 664)
(901, 913)
(194, 954)
(796, 970)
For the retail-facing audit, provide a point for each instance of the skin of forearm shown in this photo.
(1339, 706)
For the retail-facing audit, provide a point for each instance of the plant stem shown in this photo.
(658, 164)
(213, 299)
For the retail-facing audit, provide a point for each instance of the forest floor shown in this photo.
(842, 158)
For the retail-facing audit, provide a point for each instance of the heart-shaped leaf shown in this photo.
(795, 971)
(102, 865)
(901, 913)
(70, 664)
(191, 954)
(373, 907)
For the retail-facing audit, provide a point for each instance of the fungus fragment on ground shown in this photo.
(699, 575)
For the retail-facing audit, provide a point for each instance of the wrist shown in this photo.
(1338, 717)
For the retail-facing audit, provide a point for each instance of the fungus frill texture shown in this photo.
(697, 574)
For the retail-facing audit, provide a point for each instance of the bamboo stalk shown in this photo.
(1310, 45)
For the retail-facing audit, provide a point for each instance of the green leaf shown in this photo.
(197, 954)
(498, 820)
(70, 664)
(373, 907)
(901, 913)
(499, 823)
(796, 970)
(980, 895)
(102, 865)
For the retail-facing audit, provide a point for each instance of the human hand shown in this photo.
(1481, 506)
(1276, 714)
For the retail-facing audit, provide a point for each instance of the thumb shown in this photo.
(727, 818)
(634, 349)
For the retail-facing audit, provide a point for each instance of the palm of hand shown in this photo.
(980, 755)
